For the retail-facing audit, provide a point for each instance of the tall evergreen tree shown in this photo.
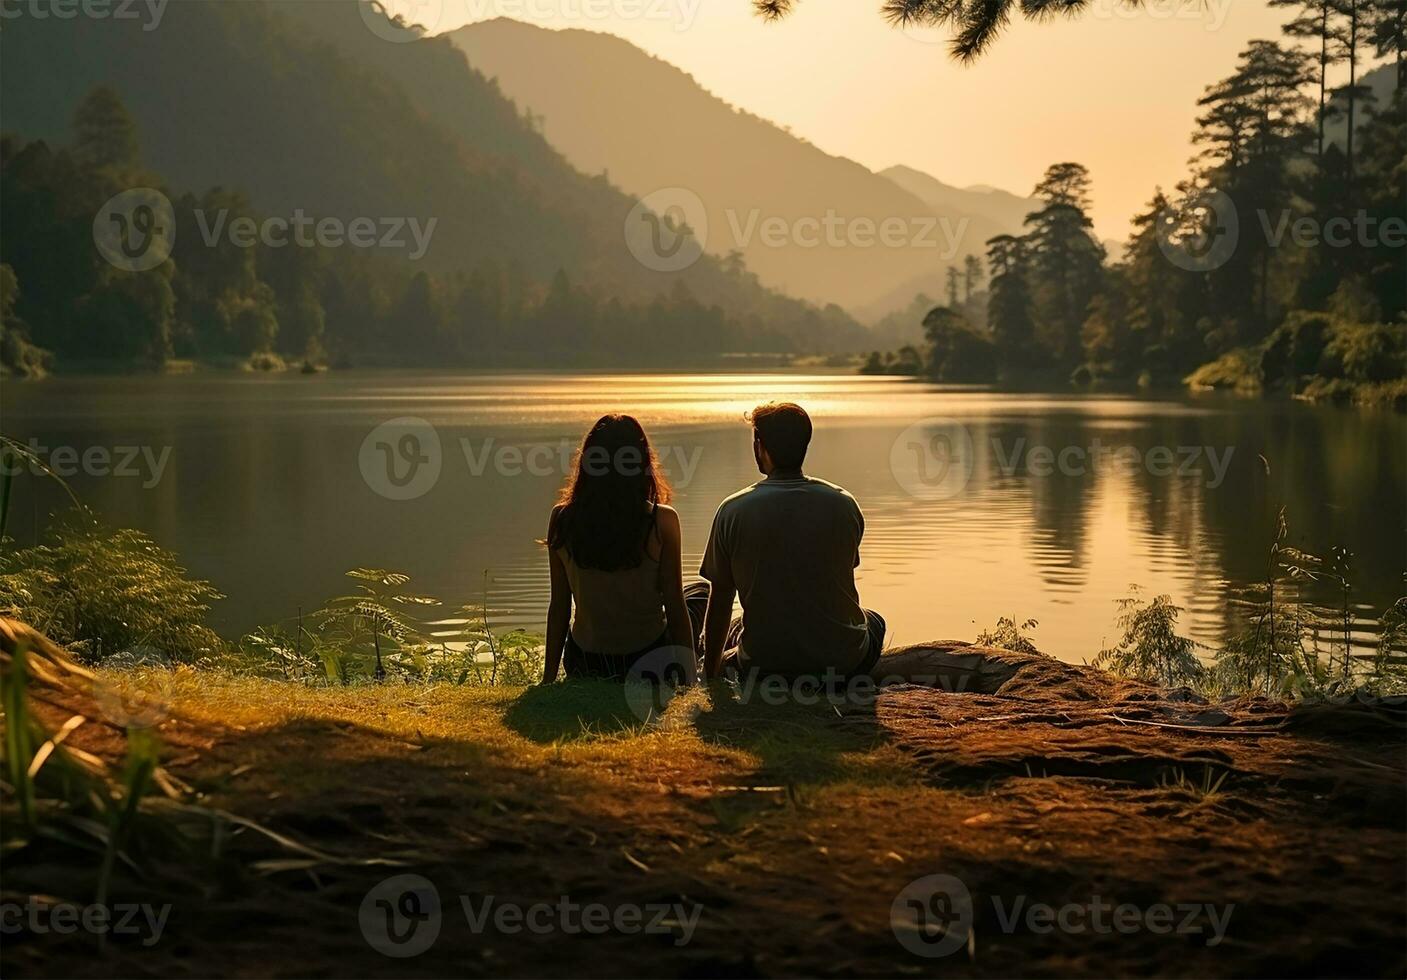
(972, 276)
(1009, 309)
(1066, 262)
(105, 134)
(1317, 22)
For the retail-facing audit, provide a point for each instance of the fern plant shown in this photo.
(1009, 636)
(100, 591)
(1150, 647)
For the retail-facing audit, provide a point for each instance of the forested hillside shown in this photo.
(1279, 263)
(276, 109)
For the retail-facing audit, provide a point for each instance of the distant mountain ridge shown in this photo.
(616, 110)
(299, 105)
(1001, 206)
(1381, 82)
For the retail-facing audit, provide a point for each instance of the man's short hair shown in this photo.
(784, 429)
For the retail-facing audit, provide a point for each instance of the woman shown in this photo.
(614, 548)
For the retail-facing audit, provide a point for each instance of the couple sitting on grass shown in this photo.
(787, 546)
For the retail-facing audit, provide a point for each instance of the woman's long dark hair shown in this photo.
(608, 502)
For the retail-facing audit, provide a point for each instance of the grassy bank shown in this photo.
(791, 828)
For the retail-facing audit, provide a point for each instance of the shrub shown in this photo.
(1366, 351)
(101, 591)
(1237, 369)
(1150, 648)
(1008, 636)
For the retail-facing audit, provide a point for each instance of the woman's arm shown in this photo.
(559, 607)
(681, 630)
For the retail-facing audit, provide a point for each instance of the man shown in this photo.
(788, 546)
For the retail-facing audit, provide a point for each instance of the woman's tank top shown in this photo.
(617, 612)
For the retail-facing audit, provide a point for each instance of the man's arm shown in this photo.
(717, 567)
(717, 621)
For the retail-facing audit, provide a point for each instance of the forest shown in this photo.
(264, 304)
(526, 263)
(1279, 263)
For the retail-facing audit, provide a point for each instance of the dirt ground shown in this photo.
(804, 836)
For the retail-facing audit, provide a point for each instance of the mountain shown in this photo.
(615, 110)
(1002, 207)
(1381, 82)
(299, 106)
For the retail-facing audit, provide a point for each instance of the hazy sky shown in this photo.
(1114, 89)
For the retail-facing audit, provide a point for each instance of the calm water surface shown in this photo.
(970, 513)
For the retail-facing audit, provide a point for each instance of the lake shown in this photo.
(978, 504)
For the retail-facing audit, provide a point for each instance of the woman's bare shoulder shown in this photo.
(668, 519)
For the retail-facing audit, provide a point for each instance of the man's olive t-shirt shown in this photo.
(791, 545)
